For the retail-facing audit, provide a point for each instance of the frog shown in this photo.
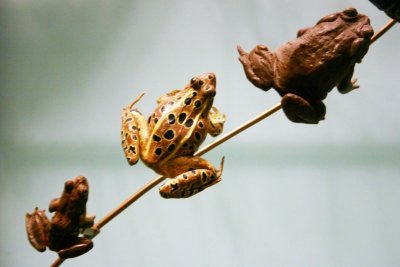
(305, 70)
(167, 141)
(62, 233)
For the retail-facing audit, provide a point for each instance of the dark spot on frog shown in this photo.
(189, 123)
(174, 186)
(196, 83)
(155, 120)
(182, 117)
(171, 147)
(171, 118)
(204, 177)
(162, 109)
(188, 101)
(194, 94)
(158, 151)
(184, 176)
(201, 125)
(169, 134)
(134, 137)
(156, 138)
(197, 135)
(132, 149)
(185, 145)
(197, 103)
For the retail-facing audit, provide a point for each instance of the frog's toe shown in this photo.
(354, 84)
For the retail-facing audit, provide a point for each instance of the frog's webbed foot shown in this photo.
(87, 221)
(192, 181)
(300, 110)
(37, 228)
(79, 247)
(130, 131)
(216, 122)
(258, 66)
(348, 86)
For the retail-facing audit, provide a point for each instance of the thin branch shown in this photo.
(96, 228)
(382, 30)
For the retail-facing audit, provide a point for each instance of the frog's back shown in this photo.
(173, 128)
(323, 55)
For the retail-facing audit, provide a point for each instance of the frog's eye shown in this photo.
(68, 186)
(201, 82)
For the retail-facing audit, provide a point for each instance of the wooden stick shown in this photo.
(96, 228)
(159, 179)
(382, 30)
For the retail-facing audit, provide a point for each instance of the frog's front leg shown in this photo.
(216, 122)
(86, 221)
(192, 175)
(348, 84)
(299, 109)
(134, 132)
(77, 247)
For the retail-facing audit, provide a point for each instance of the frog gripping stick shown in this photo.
(305, 70)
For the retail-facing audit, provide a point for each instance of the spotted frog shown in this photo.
(305, 70)
(62, 233)
(167, 141)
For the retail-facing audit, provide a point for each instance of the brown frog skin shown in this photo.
(305, 70)
(167, 141)
(61, 234)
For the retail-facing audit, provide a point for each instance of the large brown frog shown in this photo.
(62, 233)
(305, 70)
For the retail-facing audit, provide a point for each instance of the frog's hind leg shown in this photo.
(133, 132)
(301, 110)
(192, 175)
(79, 246)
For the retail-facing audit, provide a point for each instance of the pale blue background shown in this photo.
(292, 195)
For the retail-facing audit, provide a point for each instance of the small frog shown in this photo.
(305, 70)
(167, 141)
(61, 234)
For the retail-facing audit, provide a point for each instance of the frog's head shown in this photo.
(353, 31)
(77, 188)
(204, 85)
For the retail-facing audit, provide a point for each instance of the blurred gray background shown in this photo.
(291, 195)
